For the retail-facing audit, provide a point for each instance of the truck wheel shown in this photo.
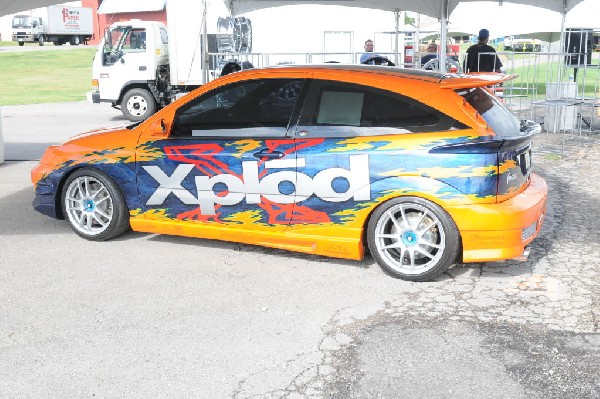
(75, 40)
(138, 105)
(21, 43)
(41, 40)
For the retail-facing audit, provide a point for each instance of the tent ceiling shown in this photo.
(428, 7)
(15, 6)
(432, 8)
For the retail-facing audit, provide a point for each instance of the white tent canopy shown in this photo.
(433, 8)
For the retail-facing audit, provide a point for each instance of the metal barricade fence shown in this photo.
(549, 88)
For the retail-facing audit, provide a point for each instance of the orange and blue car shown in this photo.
(422, 169)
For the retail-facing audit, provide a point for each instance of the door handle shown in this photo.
(269, 154)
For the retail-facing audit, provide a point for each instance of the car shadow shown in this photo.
(19, 218)
(256, 249)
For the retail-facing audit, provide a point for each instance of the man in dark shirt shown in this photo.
(475, 61)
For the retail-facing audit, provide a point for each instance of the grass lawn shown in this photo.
(536, 76)
(32, 77)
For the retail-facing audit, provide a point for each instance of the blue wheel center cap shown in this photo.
(89, 205)
(409, 238)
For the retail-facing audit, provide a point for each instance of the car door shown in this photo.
(347, 144)
(228, 159)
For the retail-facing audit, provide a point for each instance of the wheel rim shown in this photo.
(410, 238)
(137, 105)
(89, 205)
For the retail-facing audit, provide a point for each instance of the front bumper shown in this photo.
(93, 97)
(22, 38)
(501, 231)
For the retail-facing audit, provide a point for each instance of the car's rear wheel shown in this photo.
(94, 206)
(413, 239)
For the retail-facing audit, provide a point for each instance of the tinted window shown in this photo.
(265, 106)
(343, 104)
(503, 122)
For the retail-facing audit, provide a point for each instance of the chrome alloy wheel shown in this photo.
(137, 105)
(88, 205)
(410, 238)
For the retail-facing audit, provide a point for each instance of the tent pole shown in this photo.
(562, 47)
(397, 16)
(204, 45)
(444, 35)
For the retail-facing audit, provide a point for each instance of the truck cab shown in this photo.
(26, 29)
(130, 66)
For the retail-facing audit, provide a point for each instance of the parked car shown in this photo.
(422, 168)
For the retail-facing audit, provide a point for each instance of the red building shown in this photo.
(106, 12)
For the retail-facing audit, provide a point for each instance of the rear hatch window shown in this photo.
(502, 121)
(514, 152)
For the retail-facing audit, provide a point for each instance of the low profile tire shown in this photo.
(413, 239)
(138, 105)
(41, 40)
(94, 206)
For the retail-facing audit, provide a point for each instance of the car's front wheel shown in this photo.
(413, 239)
(94, 206)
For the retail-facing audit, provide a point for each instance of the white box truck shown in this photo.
(141, 66)
(60, 25)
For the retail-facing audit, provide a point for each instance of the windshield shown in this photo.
(21, 21)
(112, 37)
(502, 121)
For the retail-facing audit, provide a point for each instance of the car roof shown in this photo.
(443, 79)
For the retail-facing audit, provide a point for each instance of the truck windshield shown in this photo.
(112, 37)
(21, 21)
(121, 40)
(502, 121)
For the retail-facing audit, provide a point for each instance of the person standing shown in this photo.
(369, 46)
(478, 59)
(431, 53)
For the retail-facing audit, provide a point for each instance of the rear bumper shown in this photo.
(501, 231)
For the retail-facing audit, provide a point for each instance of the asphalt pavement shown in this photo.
(148, 315)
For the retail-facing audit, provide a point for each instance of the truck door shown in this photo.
(126, 59)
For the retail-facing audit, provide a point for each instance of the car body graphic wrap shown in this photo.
(303, 181)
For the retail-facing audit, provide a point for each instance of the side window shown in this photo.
(135, 41)
(255, 108)
(164, 37)
(375, 111)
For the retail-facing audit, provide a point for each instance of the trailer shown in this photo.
(59, 25)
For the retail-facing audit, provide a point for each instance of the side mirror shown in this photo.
(159, 129)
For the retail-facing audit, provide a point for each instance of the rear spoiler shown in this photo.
(479, 79)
